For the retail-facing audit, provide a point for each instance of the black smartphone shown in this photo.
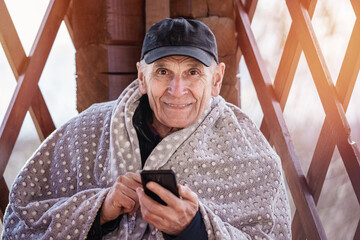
(165, 178)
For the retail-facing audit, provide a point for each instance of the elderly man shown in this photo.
(83, 181)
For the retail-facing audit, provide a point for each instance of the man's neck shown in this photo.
(161, 129)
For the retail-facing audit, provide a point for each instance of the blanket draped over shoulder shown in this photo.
(223, 158)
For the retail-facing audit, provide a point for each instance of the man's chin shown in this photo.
(180, 124)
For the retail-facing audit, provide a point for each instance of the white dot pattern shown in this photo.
(223, 158)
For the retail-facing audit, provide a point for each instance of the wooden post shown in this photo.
(155, 11)
(89, 32)
(126, 34)
(108, 42)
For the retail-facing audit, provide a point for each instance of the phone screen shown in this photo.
(165, 178)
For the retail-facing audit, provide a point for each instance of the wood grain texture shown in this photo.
(125, 21)
(91, 80)
(88, 22)
(117, 83)
(123, 58)
(224, 8)
(28, 80)
(274, 119)
(332, 106)
(188, 8)
(156, 10)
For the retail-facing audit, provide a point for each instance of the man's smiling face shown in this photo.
(179, 89)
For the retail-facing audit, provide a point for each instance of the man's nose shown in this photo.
(178, 86)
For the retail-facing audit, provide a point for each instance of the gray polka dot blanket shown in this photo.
(223, 157)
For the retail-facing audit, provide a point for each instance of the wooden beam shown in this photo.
(125, 28)
(350, 67)
(250, 7)
(188, 8)
(27, 83)
(123, 58)
(18, 60)
(356, 6)
(68, 21)
(276, 123)
(118, 82)
(288, 64)
(357, 232)
(344, 87)
(10, 41)
(282, 84)
(156, 10)
(326, 141)
(333, 108)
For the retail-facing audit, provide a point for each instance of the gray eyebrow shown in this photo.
(159, 64)
(192, 64)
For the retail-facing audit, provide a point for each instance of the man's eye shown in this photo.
(193, 72)
(162, 72)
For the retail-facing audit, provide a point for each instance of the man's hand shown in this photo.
(173, 218)
(121, 198)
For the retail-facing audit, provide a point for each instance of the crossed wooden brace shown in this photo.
(27, 70)
(273, 98)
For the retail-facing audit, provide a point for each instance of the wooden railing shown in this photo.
(272, 96)
(27, 70)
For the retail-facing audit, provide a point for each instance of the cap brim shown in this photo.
(189, 51)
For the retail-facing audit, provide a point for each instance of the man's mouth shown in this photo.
(178, 105)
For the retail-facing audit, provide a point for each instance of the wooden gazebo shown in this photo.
(108, 35)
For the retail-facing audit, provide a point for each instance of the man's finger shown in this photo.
(163, 193)
(135, 176)
(187, 194)
(150, 209)
(126, 202)
(121, 195)
(145, 200)
(130, 180)
(122, 189)
(115, 205)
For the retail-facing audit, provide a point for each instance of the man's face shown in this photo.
(179, 90)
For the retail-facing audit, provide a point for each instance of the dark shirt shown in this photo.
(148, 139)
(147, 135)
(97, 231)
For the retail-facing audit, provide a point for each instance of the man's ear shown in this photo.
(217, 79)
(141, 77)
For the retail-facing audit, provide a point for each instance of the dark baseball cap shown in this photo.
(179, 37)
